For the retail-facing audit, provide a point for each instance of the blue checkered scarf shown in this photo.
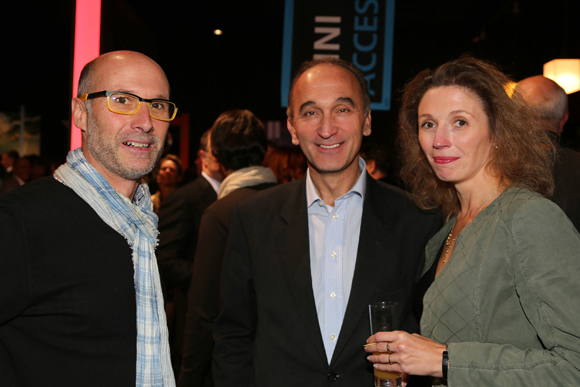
(138, 224)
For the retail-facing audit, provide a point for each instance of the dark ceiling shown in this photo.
(241, 69)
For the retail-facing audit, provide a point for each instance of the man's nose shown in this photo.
(142, 120)
(328, 126)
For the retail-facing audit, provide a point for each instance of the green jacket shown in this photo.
(508, 300)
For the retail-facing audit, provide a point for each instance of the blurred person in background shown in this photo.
(168, 179)
(38, 167)
(550, 102)
(278, 163)
(376, 156)
(179, 219)
(238, 141)
(296, 164)
(8, 159)
(6, 164)
(288, 164)
(20, 174)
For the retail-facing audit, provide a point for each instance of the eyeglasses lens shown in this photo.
(128, 104)
(123, 103)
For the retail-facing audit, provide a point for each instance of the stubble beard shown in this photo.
(106, 152)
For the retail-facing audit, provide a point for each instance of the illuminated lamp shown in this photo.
(509, 88)
(565, 72)
(87, 47)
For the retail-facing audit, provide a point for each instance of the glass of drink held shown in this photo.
(384, 318)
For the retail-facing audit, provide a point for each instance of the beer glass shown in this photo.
(384, 318)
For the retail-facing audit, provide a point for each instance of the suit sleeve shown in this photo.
(176, 233)
(203, 300)
(546, 268)
(14, 262)
(236, 325)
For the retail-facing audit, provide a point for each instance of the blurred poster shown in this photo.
(360, 31)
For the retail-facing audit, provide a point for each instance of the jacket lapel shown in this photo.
(372, 257)
(294, 252)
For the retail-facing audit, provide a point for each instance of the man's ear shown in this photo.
(79, 113)
(292, 131)
(367, 125)
(563, 120)
(371, 166)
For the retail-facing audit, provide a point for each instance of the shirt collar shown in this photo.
(213, 182)
(359, 187)
(19, 180)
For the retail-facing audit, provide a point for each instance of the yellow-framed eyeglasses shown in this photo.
(127, 103)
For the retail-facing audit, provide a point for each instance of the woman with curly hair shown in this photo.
(501, 306)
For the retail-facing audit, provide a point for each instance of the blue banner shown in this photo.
(360, 31)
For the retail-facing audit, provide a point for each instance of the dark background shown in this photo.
(241, 69)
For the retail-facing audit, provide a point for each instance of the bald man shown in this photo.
(550, 102)
(80, 297)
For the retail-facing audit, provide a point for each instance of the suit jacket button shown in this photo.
(332, 377)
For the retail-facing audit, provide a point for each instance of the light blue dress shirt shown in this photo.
(333, 235)
(213, 182)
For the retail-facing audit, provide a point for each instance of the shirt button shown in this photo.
(332, 337)
(333, 254)
(332, 295)
(320, 203)
(334, 216)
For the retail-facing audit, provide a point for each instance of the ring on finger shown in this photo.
(390, 359)
(388, 347)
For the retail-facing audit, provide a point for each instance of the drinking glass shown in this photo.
(384, 318)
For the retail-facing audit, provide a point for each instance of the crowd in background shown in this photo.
(16, 170)
(495, 196)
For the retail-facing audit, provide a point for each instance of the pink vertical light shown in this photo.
(87, 46)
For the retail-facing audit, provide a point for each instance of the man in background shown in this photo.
(179, 219)
(8, 159)
(80, 301)
(20, 174)
(239, 142)
(550, 102)
(6, 164)
(376, 157)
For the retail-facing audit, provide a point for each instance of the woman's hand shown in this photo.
(405, 353)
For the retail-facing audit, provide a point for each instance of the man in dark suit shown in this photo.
(179, 220)
(305, 259)
(239, 142)
(550, 102)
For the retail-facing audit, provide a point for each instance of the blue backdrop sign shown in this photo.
(360, 31)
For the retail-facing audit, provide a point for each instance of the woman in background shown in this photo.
(168, 178)
(502, 307)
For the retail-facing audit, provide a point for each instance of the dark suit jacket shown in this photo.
(268, 331)
(203, 297)
(567, 179)
(179, 219)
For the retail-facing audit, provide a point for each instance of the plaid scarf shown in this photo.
(138, 224)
